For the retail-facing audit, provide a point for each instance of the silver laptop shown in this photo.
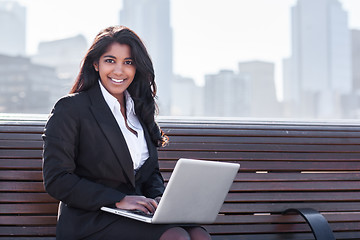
(194, 194)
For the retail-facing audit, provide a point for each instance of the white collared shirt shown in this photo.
(136, 144)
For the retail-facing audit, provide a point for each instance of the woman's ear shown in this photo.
(96, 66)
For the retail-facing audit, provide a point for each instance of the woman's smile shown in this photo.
(117, 80)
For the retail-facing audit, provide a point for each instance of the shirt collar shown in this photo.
(110, 99)
(130, 106)
(114, 103)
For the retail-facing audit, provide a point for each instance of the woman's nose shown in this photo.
(118, 69)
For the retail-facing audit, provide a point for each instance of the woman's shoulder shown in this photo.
(73, 99)
(71, 105)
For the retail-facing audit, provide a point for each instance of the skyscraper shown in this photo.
(12, 28)
(262, 92)
(64, 55)
(189, 104)
(151, 20)
(319, 70)
(226, 94)
(26, 87)
(355, 50)
(355, 53)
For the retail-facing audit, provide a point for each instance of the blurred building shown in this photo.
(150, 19)
(187, 98)
(64, 55)
(26, 87)
(355, 53)
(317, 81)
(12, 28)
(262, 92)
(226, 94)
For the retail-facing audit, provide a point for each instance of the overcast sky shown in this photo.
(209, 35)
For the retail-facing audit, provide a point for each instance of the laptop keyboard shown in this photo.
(139, 212)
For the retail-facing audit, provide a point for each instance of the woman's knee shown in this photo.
(175, 233)
(198, 233)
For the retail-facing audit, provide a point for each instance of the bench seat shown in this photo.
(283, 165)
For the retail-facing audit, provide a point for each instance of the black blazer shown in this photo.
(87, 165)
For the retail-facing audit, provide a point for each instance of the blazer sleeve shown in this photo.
(60, 149)
(154, 186)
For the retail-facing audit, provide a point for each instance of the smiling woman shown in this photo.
(100, 145)
(120, 55)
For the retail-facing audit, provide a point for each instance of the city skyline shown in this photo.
(199, 49)
(318, 81)
(317, 70)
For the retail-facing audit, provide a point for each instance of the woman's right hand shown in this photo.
(141, 203)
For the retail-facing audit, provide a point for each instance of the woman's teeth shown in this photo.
(117, 80)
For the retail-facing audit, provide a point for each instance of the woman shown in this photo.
(100, 145)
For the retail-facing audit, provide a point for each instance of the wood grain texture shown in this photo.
(283, 165)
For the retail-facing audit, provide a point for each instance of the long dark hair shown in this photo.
(143, 87)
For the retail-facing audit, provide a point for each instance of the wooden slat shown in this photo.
(20, 153)
(20, 144)
(21, 175)
(29, 208)
(319, 176)
(10, 128)
(277, 196)
(20, 164)
(280, 125)
(255, 228)
(248, 147)
(21, 136)
(310, 165)
(291, 236)
(283, 166)
(28, 220)
(250, 208)
(285, 236)
(266, 133)
(261, 140)
(279, 228)
(259, 125)
(22, 187)
(21, 197)
(260, 219)
(291, 177)
(27, 231)
(268, 156)
(29, 238)
(298, 186)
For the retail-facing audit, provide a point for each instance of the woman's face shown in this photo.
(116, 69)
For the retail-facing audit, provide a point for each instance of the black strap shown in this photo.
(319, 225)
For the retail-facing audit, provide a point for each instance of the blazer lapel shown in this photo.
(147, 167)
(111, 130)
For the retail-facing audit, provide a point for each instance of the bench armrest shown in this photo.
(318, 224)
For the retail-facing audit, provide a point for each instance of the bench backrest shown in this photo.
(283, 165)
(25, 209)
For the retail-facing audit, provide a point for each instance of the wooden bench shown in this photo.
(283, 165)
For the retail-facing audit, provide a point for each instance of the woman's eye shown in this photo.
(129, 62)
(109, 61)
